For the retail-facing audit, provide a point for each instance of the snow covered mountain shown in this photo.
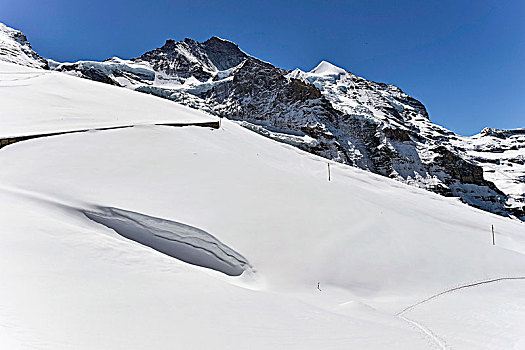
(332, 113)
(121, 231)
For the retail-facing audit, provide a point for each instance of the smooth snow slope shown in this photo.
(375, 246)
(36, 101)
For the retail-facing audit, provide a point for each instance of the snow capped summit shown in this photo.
(15, 48)
(324, 69)
(327, 68)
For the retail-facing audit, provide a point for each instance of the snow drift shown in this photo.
(180, 241)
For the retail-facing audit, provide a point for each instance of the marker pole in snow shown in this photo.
(328, 171)
(493, 238)
(318, 286)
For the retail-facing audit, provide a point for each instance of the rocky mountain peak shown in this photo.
(190, 58)
(215, 40)
(190, 41)
(169, 43)
(222, 53)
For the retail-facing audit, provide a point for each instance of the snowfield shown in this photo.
(155, 237)
(36, 101)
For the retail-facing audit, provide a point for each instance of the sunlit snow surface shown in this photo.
(375, 246)
(35, 101)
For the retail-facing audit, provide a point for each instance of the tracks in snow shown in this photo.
(473, 284)
(428, 333)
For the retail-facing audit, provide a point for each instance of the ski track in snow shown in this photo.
(425, 330)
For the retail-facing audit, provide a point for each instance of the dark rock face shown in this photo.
(459, 169)
(397, 134)
(260, 92)
(90, 73)
(223, 54)
(329, 112)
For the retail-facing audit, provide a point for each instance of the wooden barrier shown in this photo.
(10, 140)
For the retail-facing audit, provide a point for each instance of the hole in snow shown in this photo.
(180, 241)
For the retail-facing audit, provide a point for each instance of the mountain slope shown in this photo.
(329, 112)
(332, 113)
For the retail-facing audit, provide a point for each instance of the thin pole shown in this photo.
(493, 238)
(328, 171)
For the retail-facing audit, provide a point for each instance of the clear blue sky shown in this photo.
(465, 60)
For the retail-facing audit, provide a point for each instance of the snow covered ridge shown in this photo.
(15, 48)
(329, 112)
